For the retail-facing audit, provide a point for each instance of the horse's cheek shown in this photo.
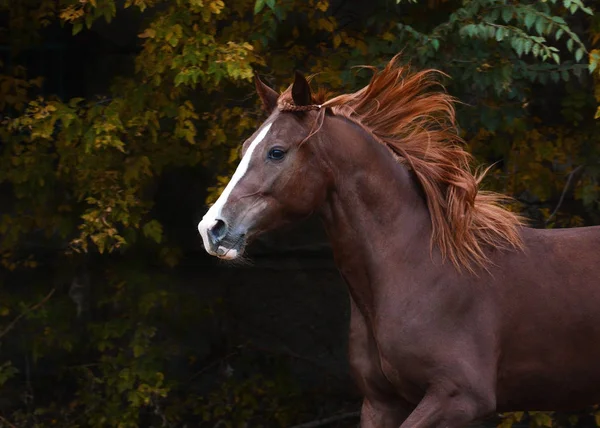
(312, 192)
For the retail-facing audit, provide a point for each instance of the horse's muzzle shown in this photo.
(220, 240)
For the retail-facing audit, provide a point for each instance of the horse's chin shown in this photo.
(231, 253)
(228, 253)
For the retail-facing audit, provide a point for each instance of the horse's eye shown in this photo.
(276, 153)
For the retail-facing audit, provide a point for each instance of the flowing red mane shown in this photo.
(403, 111)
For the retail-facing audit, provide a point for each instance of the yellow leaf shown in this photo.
(326, 24)
(337, 39)
(149, 33)
(362, 46)
(387, 36)
(233, 156)
(323, 5)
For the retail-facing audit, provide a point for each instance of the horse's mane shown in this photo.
(400, 109)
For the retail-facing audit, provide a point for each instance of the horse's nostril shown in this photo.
(218, 231)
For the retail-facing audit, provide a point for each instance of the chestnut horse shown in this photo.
(458, 310)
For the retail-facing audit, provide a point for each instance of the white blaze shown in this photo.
(214, 213)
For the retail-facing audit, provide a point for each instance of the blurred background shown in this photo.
(121, 120)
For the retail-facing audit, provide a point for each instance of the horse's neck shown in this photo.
(376, 219)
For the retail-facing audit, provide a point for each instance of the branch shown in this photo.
(7, 422)
(326, 421)
(565, 190)
(212, 364)
(29, 310)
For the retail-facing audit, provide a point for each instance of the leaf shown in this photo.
(507, 14)
(494, 15)
(499, 34)
(153, 229)
(527, 46)
(337, 40)
(529, 19)
(271, 4)
(147, 33)
(258, 6)
(570, 45)
(138, 350)
(539, 25)
(520, 46)
(594, 60)
(559, 33)
(578, 54)
(77, 27)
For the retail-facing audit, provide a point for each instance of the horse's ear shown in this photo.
(267, 95)
(301, 91)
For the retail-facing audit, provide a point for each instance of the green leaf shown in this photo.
(436, 44)
(138, 350)
(271, 4)
(528, 45)
(570, 45)
(578, 54)
(77, 27)
(507, 14)
(587, 10)
(529, 19)
(520, 46)
(539, 25)
(153, 229)
(494, 15)
(499, 34)
(559, 33)
(258, 6)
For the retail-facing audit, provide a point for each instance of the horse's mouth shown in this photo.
(231, 251)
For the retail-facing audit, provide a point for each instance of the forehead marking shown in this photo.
(240, 171)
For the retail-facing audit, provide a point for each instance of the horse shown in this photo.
(459, 309)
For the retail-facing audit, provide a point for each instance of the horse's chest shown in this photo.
(406, 383)
(399, 352)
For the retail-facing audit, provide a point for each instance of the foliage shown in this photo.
(79, 174)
